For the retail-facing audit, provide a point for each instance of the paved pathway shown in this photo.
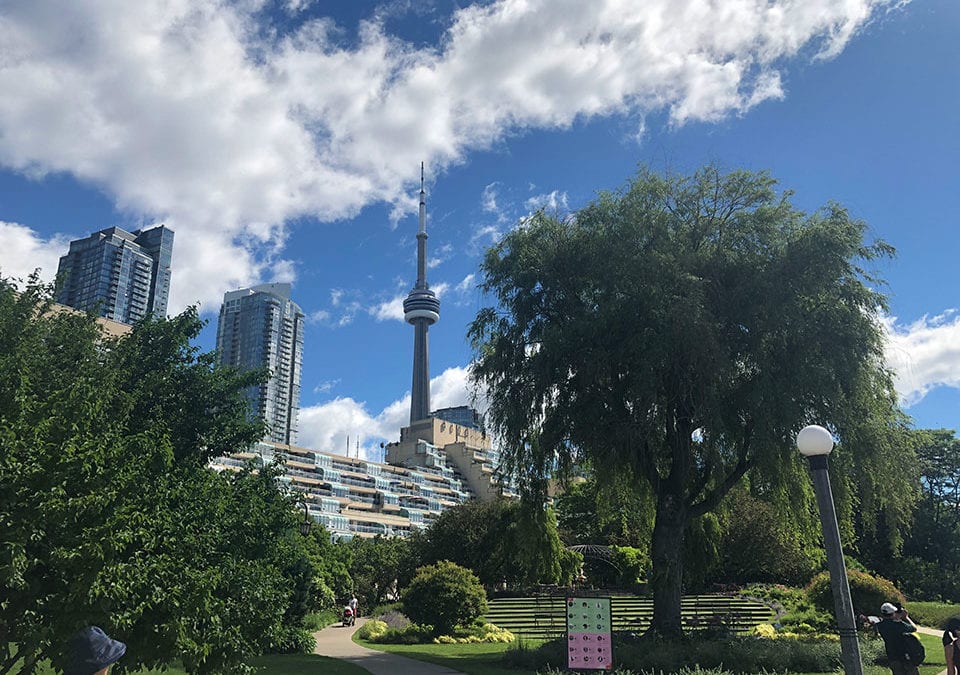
(932, 631)
(336, 641)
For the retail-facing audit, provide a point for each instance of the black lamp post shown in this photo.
(815, 443)
(306, 523)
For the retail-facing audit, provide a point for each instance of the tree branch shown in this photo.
(744, 464)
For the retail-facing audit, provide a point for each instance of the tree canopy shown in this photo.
(681, 331)
(108, 513)
(501, 541)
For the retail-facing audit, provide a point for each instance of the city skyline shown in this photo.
(282, 141)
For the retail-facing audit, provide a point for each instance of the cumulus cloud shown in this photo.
(190, 112)
(25, 251)
(389, 310)
(328, 426)
(924, 354)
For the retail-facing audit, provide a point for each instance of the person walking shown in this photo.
(894, 625)
(92, 652)
(951, 645)
(353, 605)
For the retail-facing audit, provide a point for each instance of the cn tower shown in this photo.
(422, 309)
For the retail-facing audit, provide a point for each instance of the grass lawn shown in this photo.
(473, 659)
(484, 659)
(273, 664)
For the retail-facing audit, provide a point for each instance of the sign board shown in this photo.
(588, 634)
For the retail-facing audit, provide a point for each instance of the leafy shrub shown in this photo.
(486, 632)
(445, 596)
(633, 563)
(414, 634)
(314, 621)
(372, 630)
(932, 614)
(866, 591)
(394, 619)
(550, 654)
(295, 641)
(750, 654)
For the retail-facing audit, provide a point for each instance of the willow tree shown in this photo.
(682, 330)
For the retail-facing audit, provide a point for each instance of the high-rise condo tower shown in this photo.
(121, 275)
(260, 327)
(421, 309)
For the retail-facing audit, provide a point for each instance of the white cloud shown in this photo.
(326, 387)
(489, 198)
(186, 111)
(924, 354)
(24, 251)
(485, 235)
(468, 284)
(318, 316)
(328, 426)
(440, 256)
(552, 202)
(389, 310)
(349, 313)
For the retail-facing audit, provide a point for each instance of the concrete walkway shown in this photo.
(337, 641)
(932, 631)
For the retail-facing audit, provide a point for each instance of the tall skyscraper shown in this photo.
(123, 275)
(260, 327)
(421, 309)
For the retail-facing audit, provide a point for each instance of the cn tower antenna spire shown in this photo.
(421, 309)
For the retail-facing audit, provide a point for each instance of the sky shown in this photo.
(282, 141)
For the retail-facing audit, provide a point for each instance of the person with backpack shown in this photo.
(951, 645)
(904, 650)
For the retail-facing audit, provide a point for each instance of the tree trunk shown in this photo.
(667, 559)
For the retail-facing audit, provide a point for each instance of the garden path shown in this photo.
(932, 631)
(337, 641)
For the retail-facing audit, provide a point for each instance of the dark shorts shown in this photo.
(903, 668)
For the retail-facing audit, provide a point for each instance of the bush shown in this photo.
(866, 591)
(414, 634)
(633, 563)
(932, 614)
(314, 621)
(697, 654)
(487, 632)
(372, 630)
(445, 596)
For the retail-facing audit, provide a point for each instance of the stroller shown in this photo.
(348, 618)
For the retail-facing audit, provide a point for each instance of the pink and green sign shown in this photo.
(588, 634)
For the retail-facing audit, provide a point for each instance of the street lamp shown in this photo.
(306, 522)
(815, 443)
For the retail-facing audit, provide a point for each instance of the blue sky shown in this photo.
(282, 141)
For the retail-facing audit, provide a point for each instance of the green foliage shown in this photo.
(372, 630)
(485, 632)
(444, 595)
(932, 614)
(612, 512)
(679, 333)
(633, 563)
(378, 568)
(866, 591)
(108, 514)
(699, 654)
(501, 541)
(412, 634)
(758, 546)
(929, 567)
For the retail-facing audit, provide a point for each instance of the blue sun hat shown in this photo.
(92, 650)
